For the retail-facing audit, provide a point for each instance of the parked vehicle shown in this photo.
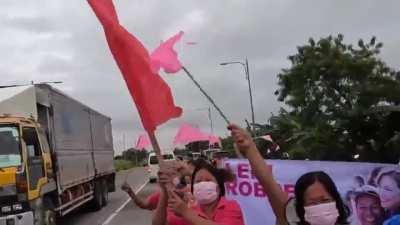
(196, 155)
(207, 153)
(153, 166)
(56, 154)
(218, 157)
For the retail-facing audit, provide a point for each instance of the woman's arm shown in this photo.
(160, 213)
(143, 204)
(276, 196)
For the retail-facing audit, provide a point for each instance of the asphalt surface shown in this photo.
(118, 211)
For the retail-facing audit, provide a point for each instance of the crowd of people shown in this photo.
(194, 193)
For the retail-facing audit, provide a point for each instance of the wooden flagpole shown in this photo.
(156, 148)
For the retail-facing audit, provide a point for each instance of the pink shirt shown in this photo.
(227, 212)
(153, 199)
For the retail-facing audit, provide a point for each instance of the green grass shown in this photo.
(121, 164)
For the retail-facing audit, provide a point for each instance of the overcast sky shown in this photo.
(46, 40)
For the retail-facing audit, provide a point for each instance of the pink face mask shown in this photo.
(321, 214)
(205, 192)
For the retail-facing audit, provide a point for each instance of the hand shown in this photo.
(125, 187)
(176, 203)
(164, 178)
(183, 169)
(242, 139)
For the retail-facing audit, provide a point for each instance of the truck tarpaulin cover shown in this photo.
(352, 180)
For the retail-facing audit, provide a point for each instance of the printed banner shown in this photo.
(371, 191)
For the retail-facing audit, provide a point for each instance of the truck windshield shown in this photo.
(9, 146)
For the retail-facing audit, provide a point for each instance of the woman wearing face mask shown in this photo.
(211, 209)
(389, 192)
(318, 201)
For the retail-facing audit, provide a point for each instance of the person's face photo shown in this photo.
(369, 210)
(389, 193)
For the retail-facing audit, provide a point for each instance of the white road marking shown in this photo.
(108, 220)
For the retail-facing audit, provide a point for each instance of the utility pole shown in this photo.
(247, 73)
(251, 96)
(211, 121)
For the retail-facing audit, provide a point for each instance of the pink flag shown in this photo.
(187, 134)
(267, 138)
(214, 139)
(142, 142)
(166, 57)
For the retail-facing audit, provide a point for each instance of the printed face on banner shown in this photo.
(370, 191)
(369, 210)
(389, 192)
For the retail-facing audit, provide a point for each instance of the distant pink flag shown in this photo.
(214, 139)
(267, 138)
(188, 134)
(165, 56)
(142, 142)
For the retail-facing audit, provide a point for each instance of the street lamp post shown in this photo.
(246, 70)
(209, 118)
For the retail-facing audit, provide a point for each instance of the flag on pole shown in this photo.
(267, 138)
(165, 56)
(142, 142)
(187, 134)
(149, 91)
(214, 139)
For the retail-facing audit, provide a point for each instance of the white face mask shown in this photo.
(321, 214)
(205, 192)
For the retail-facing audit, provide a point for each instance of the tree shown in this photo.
(342, 101)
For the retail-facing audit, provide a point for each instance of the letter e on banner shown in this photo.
(243, 171)
(289, 189)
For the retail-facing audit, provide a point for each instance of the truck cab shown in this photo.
(56, 155)
(25, 167)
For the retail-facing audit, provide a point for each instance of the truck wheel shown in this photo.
(97, 201)
(50, 217)
(105, 192)
(37, 209)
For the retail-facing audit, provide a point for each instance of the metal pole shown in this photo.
(251, 96)
(206, 95)
(210, 118)
(123, 140)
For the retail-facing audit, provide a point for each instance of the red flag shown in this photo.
(149, 91)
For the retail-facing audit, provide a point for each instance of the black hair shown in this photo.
(192, 162)
(221, 175)
(306, 181)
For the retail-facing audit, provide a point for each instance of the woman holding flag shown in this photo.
(318, 201)
(208, 188)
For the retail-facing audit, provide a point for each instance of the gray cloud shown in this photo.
(62, 40)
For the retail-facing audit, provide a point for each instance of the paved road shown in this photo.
(130, 214)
